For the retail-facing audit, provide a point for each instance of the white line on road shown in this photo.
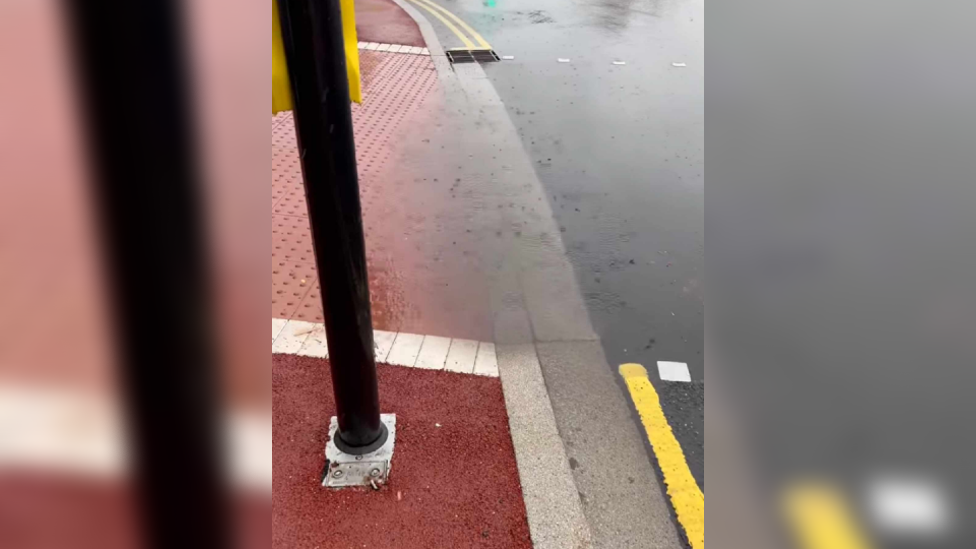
(674, 371)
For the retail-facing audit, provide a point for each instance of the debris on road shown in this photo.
(679, 64)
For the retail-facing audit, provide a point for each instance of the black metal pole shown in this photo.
(132, 74)
(312, 35)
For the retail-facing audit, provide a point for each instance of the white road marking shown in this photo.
(316, 346)
(487, 362)
(909, 507)
(74, 431)
(383, 342)
(292, 337)
(433, 355)
(277, 325)
(405, 350)
(674, 371)
(462, 355)
(393, 48)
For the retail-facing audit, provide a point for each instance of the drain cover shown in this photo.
(471, 56)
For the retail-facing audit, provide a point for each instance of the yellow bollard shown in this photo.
(281, 87)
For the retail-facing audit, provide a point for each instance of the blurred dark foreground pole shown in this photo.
(131, 69)
(312, 35)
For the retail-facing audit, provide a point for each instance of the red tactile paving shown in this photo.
(427, 240)
(310, 309)
(383, 21)
(394, 88)
(292, 239)
(452, 487)
(393, 91)
(290, 282)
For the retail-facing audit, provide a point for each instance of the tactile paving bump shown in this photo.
(290, 283)
(292, 239)
(394, 87)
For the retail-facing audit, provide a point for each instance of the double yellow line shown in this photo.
(445, 17)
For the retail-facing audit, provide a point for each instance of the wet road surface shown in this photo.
(619, 150)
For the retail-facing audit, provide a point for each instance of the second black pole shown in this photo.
(312, 35)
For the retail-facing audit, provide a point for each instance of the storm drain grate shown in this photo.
(471, 56)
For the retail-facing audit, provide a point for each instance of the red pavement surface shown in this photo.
(42, 511)
(453, 487)
(45, 511)
(383, 21)
(411, 225)
(430, 240)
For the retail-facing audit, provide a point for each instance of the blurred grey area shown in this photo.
(842, 249)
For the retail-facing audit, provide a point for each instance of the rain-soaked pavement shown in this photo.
(619, 150)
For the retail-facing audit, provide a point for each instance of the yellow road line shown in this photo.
(821, 518)
(447, 23)
(461, 22)
(686, 497)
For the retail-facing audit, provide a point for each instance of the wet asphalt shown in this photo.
(619, 150)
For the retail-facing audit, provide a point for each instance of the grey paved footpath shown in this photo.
(561, 393)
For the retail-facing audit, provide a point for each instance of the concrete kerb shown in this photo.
(553, 507)
(623, 500)
(552, 504)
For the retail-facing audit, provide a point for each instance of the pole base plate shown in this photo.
(343, 470)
